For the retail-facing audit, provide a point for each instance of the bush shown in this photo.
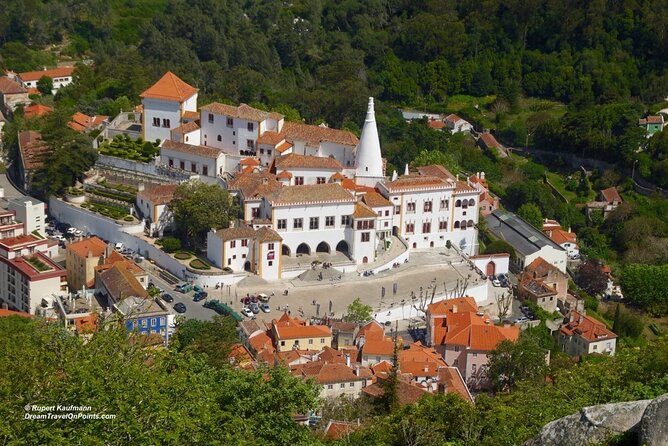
(199, 264)
(128, 218)
(182, 255)
(171, 244)
(500, 246)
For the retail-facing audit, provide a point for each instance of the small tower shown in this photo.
(368, 160)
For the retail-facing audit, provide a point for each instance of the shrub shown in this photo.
(182, 255)
(128, 218)
(199, 264)
(171, 244)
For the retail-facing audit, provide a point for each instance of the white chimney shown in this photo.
(347, 356)
(454, 308)
(482, 175)
(406, 171)
(356, 371)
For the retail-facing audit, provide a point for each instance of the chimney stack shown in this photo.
(356, 371)
(454, 308)
(347, 356)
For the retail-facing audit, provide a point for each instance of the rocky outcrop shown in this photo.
(654, 425)
(596, 424)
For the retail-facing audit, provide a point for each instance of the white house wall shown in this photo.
(155, 108)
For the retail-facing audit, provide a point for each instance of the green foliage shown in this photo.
(511, 362)
(43, 364)
(108, 210)
(182, 255)
(199, 264)
(171, 244)
(358, 312)
(127, 148)
(45, 85)
(531, 213)
(646, 286)
(500, 246)
(626, 324)
(193, 220)
(214, 338)
(591, 277)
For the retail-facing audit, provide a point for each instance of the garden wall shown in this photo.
(131, 165)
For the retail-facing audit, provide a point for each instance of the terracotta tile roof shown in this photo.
(121, 283)
(80, 122)
(283, 147)
(157, 195)
(350, 184)
(7, 313)
(337, 373)
(489, 141)
(382, 367)
(261, 341)
(9, 86)
(363, 211)
(587, 327)
(476, 332)
(435, 124)
(93, 246)
(407, 393)
(239, 356)
(435, 170)
(87, 324)
(541, 268)
(457, 305)
(452, 380)
(203, 151)
(371, 330)
(378, 347)
(420, 361)
(240, 232)
(652, 119)
(338, 176)
(341, 326)
(452, 118)
(337, 430)
(550, 225)
(265, 234)
(36, 110)
(293, 328)
(52, 73)
(243, 111)
(416, 182)
(559, 236)
(312, 193)
(34, 91)
(76, 126)
(169, 88)
(188, 127)
(313, 135)
(117, 259)
(463, 186)
(611, 195)
(271, 138)
(294, 161)
(284, 174)
(192, 115)
(249, 162)
(253, 184)
(536, 287)
(332, 356)
(376, 200)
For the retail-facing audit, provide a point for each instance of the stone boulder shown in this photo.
(654, 425)
(592, 425)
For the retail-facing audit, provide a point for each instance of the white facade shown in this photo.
(302, 176)
(368, 159)
(196, 159)
(23, 288)
(556, 257)
(456, 124)
(160, 117)
(30, 212)
(246, 249)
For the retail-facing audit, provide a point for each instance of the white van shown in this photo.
(118, 246)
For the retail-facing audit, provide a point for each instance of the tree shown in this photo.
(646, 286)
(171, 244)
(511, 362)
(504, 302)
(198, 207)
(626, 324)
(45, 85)
(531, 213)
(212, 338)
(499, 247)
(358, 312)
(591, 277)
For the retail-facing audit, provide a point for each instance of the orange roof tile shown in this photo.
(363, 211)
(93, 245)
(611, 195)
(416, 182)
(452, 118)
(9, 86)
(476, 332)
(249, 162)
(407, 393)
(378, 347)
(192, 115)
(376, 200)
(243, 111)
(86, 324)
(203, 151)
(284, 174)
(159, 194)
(295, 161)
(371, 330)
(283, 147)
(435, 170)
(559, 236)
(188, 127)
(489, 141)
(453, 381)
(169, 88)
(311, 193)
(587, 327)
(313, 135)
(446, 306)
(7, 313)
(52, 73)
(337, 430)
(254, 184)
(435, 124)
(36, 110)
(271, 138)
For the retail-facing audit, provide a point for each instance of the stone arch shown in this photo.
(365, 259)
(456, 225)
(491, 269)
(470, 224)
(303, 248)
(247, 266)
(458, 203)
(343, 247)
(471, 202)
(323, 247)
(285, 250)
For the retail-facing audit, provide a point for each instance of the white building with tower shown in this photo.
(368, 159)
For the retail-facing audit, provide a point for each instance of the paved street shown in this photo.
(194, 310)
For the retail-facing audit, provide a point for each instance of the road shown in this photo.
(194, 310)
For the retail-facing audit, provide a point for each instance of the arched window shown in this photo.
(220, 138)
(470, 224)
(463, 224)
(456, 225)
(465, 204)
(471, 202)
(458, 203)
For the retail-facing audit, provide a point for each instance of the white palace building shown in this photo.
(305, 189)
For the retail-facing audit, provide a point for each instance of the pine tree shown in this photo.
(616, 326)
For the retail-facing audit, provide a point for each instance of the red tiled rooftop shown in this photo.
(52, 73)
(170, 88)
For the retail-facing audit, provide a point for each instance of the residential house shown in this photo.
(374, 347)
(153, 204)
(36, 111)
(32, 154)
(112, 258)
(81, 258)
(456, 124)
(142, 315)
(167, 104)
(488, 202)
(437, 314)
(12, 94)
(307, 169)
(544, 284)
(652, 124)
(489, 142)
(565, 239)
(201, 160)
(30, 281)
(407, 391)
(582, 335)
(343, 334)
(187, 133)
(292, 333)
(608, 200)
(335, 379)
(61, 77)
(528, 242)
(83, 123)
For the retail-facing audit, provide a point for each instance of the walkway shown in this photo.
(396, 249)
(8, 186)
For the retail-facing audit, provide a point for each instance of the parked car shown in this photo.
(521, 320)
(78, 233)
(254, 308)
(183, 287)
(71, 230)
(199, 296)
(524, 309)
(180, 307)
(118, 246)
(263, 297)
(167, 297)
(247, 312)
(495, 281)
(265, 307)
